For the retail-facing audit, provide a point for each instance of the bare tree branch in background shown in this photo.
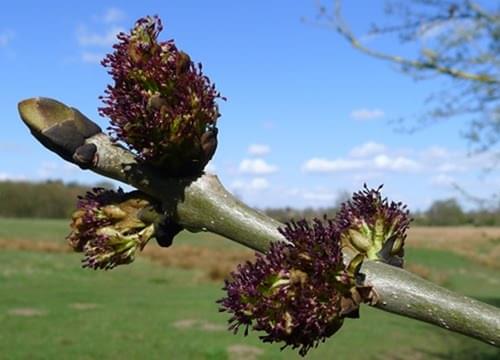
(458, 40)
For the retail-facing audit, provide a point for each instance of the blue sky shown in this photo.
(307, 117)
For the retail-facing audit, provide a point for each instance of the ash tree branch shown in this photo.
(203, 204)
(340, 25)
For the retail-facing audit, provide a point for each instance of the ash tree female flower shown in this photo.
(108, 227)
(373, 226)
(298, 293)
(161, 104)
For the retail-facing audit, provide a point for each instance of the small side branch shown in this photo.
(341, 27)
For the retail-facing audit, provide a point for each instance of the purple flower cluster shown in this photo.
(297, 293)
(106, 229)
(373, 226)
(161, 105)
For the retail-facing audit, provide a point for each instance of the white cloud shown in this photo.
(367, 114)
(237, 185)
(113, 15)
(255, 185)
(13, 147)
(366, 176)
(368, 149)
(47, 169)
(104, 39)
(319, 195)
(259, 149)
(52, 169)
(482, 161)
(294, 191)
(356, 163)
(6, 37)
(322, 165)
(91, 57)
(442, 160)
(89, 39)
(436, 153)
(257, 167)
(442, 180)
(70, 167)
(399, 163)
(436, 166)
(6, 177)
(259, 184)
(448, 167)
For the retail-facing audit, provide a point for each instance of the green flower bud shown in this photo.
(374, 227)
(109, 227)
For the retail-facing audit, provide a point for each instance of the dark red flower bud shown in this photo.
(161, 104)
(298, 293)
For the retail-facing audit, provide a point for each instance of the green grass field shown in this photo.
(50, 308)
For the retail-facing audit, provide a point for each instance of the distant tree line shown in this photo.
(56, 199)
(48, 199)
(449, 213)
(441, 213)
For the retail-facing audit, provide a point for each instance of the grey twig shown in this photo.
(203, 204)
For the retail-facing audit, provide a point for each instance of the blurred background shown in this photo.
(320, 100)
